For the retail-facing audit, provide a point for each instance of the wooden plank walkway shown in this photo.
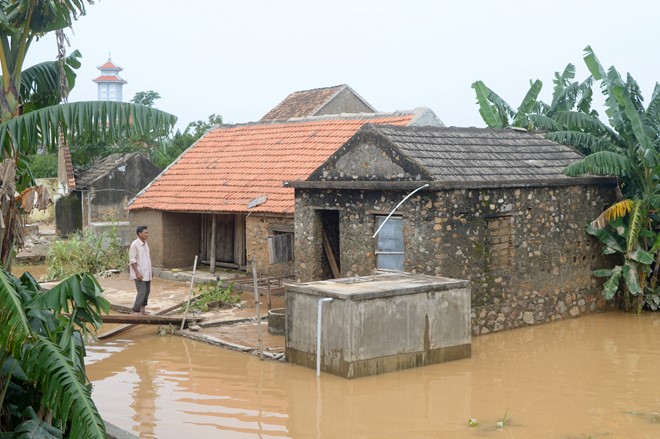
(123, 328)
(140, 319)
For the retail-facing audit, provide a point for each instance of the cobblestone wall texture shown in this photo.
(257, 230)
(524, 250)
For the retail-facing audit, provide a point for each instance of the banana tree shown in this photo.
(31, 115)
(43, 387)
(629, 149)
(533, 113)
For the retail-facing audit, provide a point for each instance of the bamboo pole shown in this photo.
(256, 301)
(192, 281)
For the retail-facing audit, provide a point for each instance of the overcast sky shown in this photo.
(240, 58)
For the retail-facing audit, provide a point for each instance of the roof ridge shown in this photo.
(339, 89)
(340, 116)
(339, 86)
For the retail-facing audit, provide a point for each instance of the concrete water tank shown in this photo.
(379, 323)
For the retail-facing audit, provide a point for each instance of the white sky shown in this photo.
(240, 58)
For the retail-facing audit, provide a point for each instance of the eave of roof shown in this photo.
(231, 165)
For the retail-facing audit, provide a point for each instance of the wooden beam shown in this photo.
(330, 255)
(122, 328)
(144, 320)
(212, 255)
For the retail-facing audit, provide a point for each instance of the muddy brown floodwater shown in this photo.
(591, 377)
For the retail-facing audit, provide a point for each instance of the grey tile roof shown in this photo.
(102, 168)
(479, 154)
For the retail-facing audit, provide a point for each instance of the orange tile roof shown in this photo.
(109, 65)
(109, 78)
(232, 165)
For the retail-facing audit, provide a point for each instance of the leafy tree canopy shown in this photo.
(146, 98)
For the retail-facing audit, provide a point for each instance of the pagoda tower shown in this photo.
(109, 83)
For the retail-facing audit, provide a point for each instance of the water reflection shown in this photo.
(594, 376)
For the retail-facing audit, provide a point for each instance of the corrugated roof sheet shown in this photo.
(232, 165)
(481, 154)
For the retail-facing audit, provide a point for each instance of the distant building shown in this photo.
(109, 83)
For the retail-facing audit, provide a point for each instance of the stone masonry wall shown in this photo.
(257, 230)
(524, 250)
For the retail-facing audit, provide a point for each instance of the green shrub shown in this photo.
(86, 252)
(43, 165)
(214, 296)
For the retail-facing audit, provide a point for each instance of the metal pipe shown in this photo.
(397, 206)
(318, 334)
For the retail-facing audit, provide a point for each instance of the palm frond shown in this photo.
(543, 122)
(83, 122)
(584, 142)
(561, 81)
(617, 210)
(635, 93)
(653, 109)
(611, 286)
(636, 224)
(64, 391)
(601, 163)
(15, 328)
(586, 97)
(490, 113)
(575, 120)
(40, 84)
(528, 102)
(80, 291)
(631, 277)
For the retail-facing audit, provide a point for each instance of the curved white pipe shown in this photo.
(397, 206)
(318, 334)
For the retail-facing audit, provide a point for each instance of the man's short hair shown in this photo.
(141, 229)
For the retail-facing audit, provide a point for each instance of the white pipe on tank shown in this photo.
(318, 334)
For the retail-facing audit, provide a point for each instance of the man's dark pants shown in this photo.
(142, 298)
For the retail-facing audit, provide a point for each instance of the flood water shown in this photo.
(592, 377)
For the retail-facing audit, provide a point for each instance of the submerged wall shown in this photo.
(377, 324)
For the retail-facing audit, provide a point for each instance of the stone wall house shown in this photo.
(491, 206)
(223, 199)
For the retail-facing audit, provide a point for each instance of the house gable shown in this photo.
(317, 102)
(369, 156)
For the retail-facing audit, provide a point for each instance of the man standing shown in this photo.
(140, 269)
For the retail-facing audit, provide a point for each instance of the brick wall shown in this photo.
(524, 250)
(153, 219)
(181, 233)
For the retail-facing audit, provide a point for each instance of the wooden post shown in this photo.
(212, 258)
(330, 255)
(256, 301)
